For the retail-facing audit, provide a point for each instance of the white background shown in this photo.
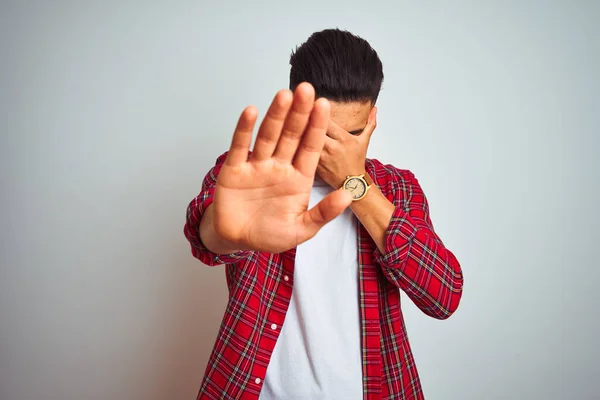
(112, 112)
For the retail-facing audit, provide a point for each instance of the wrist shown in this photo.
(211, 236)
(357, 172)
(364, 202)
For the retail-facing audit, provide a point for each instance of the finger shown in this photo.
(371, 125)
(295, 124)
(270, 128)
(242, 137)
(311, 145)
(325, 211)
(335, 131)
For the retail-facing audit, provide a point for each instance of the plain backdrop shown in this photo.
(112, 112)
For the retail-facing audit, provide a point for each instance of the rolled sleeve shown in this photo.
(415, 258)
(398, 239)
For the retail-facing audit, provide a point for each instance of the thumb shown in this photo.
(325, 211)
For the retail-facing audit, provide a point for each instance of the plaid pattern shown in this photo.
(260, 287)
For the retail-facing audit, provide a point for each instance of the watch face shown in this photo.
(355, 186)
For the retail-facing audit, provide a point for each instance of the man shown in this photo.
(317, 241)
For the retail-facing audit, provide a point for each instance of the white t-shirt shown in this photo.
(318, 352)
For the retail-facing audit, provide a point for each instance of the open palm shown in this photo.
(261, 200)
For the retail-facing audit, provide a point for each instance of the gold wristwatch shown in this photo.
(358, 185)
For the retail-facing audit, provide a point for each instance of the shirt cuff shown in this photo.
(398, 239)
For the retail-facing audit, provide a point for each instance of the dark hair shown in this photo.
(341, 66)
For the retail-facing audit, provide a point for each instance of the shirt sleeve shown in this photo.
(415, 259)
(196, 210)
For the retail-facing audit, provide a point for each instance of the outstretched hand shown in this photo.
(261, 201)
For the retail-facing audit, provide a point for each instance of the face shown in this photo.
(351, 116)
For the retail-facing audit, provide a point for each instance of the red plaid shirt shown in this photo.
(260, 287)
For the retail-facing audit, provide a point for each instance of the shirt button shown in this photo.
(257, 380)
(273, 326)
(286, 278)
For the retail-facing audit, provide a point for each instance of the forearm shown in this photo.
(374, 211)
(209, 236)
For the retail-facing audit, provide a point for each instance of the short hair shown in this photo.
(341, 67)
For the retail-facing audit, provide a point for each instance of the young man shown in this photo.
(317, 241)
